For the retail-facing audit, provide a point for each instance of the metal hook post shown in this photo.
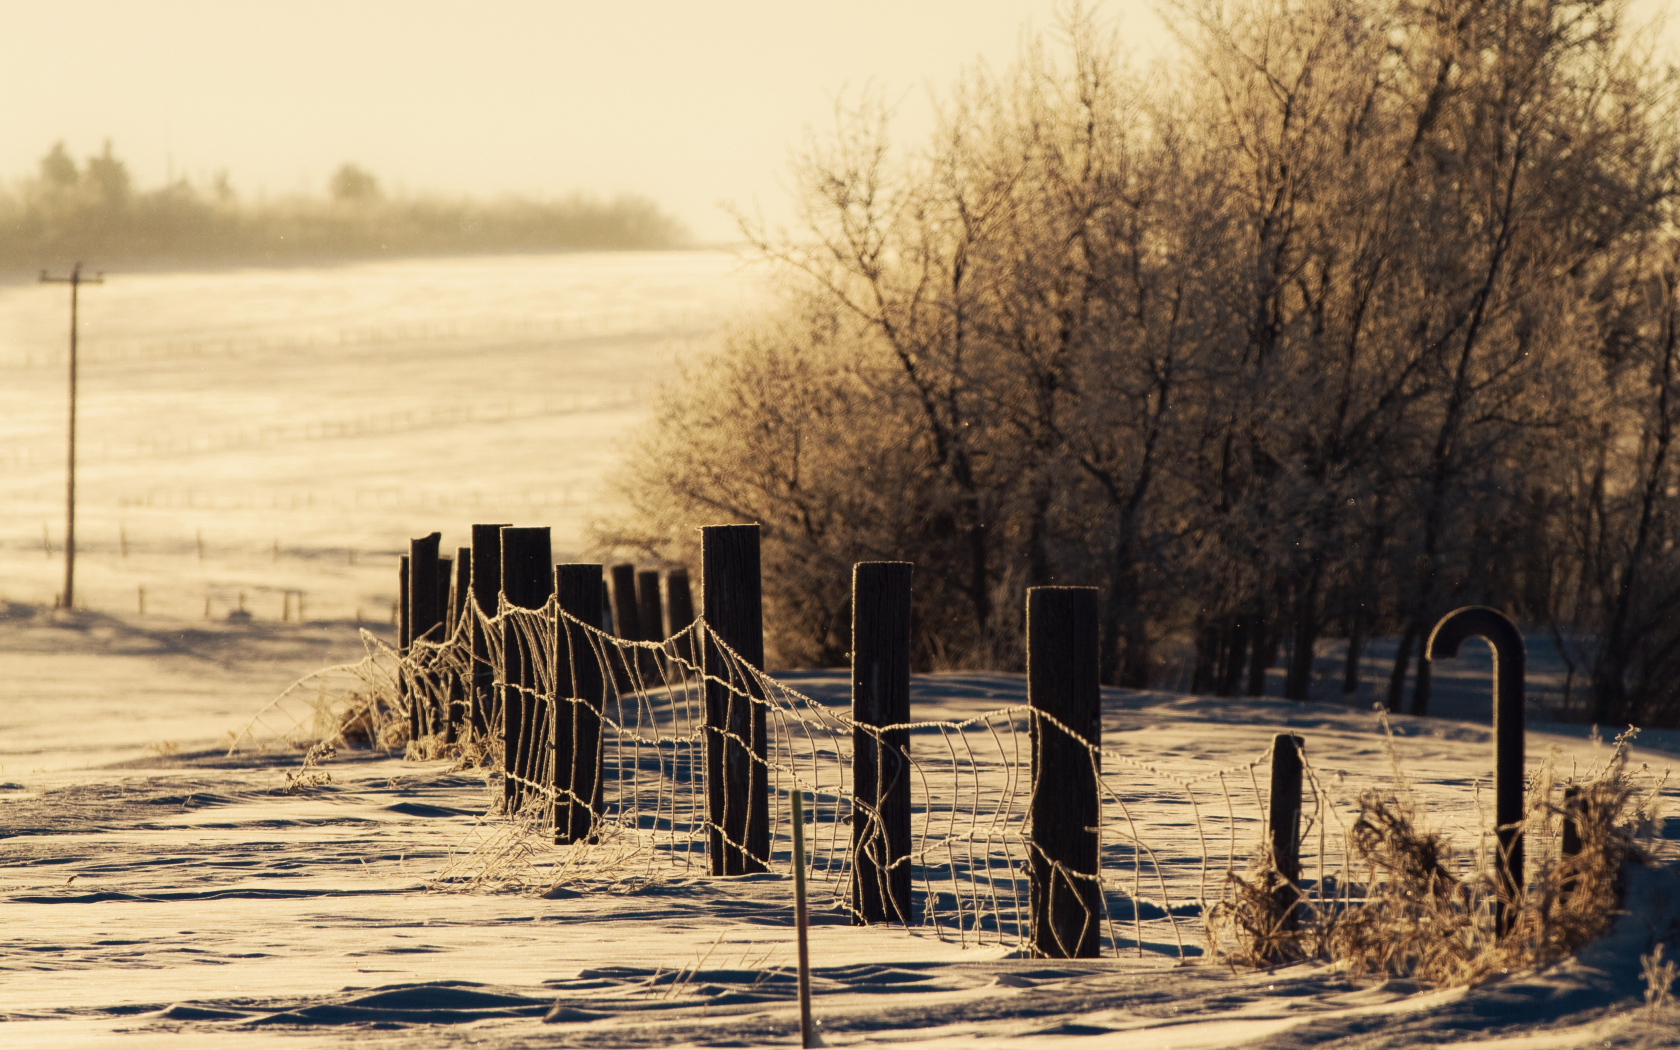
(1509, 667)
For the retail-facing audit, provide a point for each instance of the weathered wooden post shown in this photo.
(650, 620)
(403, 635)
(577, 716)
(737, 774)
(446, 623)
(486, 585)
(1510, 658)
(446, 609)
(626, 625)
(625, 620)
(459, 682)
(649, 617)
(1063, 895)
(527, 582)
(424, 616)
(1571, 844)
(1284, 825)
(679, 610)
(1570, 847)
(880, 758)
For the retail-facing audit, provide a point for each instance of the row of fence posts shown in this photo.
(1063, 660)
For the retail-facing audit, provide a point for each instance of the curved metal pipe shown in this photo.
(1510, 659)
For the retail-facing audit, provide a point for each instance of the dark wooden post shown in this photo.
(424, 615)
(737, 776)
(625, 620)
(1064, 897)
(403, 637)
(651, 621)
(679, 609)
(446, 607)
(446, 625)
(577, 718)
(1510, 658)
(880, 759)
(486, 585)
(1284, 824)
(1570, 847)
(460, 588)
(649, 616)
(527, 582)
(402, 606)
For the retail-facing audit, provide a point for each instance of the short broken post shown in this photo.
(576, 739)
(1284, 825)
(527, 582)
(1510, 659)
(737, 774)
(1064, 898)
(880, 757)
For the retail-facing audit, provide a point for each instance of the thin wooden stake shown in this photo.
(801, 920)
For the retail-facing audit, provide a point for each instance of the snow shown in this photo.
(160, 893)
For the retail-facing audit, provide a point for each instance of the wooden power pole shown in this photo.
(75, 281)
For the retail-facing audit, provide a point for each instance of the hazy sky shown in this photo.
(690, 103)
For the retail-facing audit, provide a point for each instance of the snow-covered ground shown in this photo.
(305, 423)
(174, 896)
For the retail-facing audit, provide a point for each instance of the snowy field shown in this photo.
(160, 893)
(245, 433)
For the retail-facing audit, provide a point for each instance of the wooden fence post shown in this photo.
(486, 585)
(679, 610)
(626, 625)
(423, 618)
(445, 577)
(577, 717)
(1284, 823)
(446, 624)
(527, 582)
(1510, 660)
(1064, 897)
(649, 616)
(459, 682)
(880, 760)
(625, 620)
(737, 776)
(403, 637)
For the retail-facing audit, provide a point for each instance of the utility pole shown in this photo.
(75, 281)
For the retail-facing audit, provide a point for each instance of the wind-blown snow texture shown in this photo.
(188, 900)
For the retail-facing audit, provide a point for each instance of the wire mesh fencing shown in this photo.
(614, 783)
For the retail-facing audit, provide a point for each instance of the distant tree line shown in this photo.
(93, 212)
(1361, 311)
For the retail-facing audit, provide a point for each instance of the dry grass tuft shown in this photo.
(1659, 984)
(363, 720)
(1430, 913)
(1250, 922)
(310, 775)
